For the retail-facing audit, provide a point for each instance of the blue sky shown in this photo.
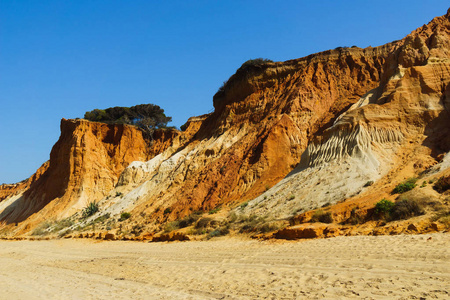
(59, 59)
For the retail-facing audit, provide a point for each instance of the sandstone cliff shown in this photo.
(396, 130)
(262, 123)
(84, 166)
(286, 136)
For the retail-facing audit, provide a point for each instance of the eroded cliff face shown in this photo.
(288, 136)
(261, 125)
(396, 130)
(9, 190)
(84, 166)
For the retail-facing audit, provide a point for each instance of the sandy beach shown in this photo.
(360, 267)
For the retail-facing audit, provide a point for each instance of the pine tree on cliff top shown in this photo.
(147, 117)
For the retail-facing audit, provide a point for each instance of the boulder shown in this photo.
(109, 237)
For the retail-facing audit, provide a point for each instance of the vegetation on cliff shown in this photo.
(147, 117)
(310, 143)
(257, 62)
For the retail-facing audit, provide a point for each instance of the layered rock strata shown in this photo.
(288, 136)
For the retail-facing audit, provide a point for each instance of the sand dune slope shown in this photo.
(363, 267)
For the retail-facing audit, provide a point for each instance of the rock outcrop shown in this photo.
(286, 136)
(8, 190)
(263, 121)
(84, 166)
(397, 128)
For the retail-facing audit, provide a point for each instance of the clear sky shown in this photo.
(59, 59)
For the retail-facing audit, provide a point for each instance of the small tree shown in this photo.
(147, 117)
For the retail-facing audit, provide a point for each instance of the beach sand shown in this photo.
(359, 267)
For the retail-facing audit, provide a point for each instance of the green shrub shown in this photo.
(133, 115)
(62, 224)
(189, 220)
(368, 183)
(321, 216)
(384, 207)
(52, 227)
(442, 185)
(218, 232)
(90, 209)
(405, 186)
(147, 117)
(244, 205)
(42, 229)
(124, 216)
(232, 217)
(102, 218)
(402, 209)
(255, 62)
(439, 215)
(250, 223)
(204, 222)
(267, 227)
(291, 197)
(256, 224)
(171, 226)
(222, 87)
(215, 210)
(64, 232)
(167, 211)
(405, 209)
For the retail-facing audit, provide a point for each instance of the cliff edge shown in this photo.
(285, 138)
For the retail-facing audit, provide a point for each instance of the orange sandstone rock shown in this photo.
(391, 100)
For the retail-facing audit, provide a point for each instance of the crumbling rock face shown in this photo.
(402, 123)
(84, 166)
(8, 190)
(262, 123)
(291, 135)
